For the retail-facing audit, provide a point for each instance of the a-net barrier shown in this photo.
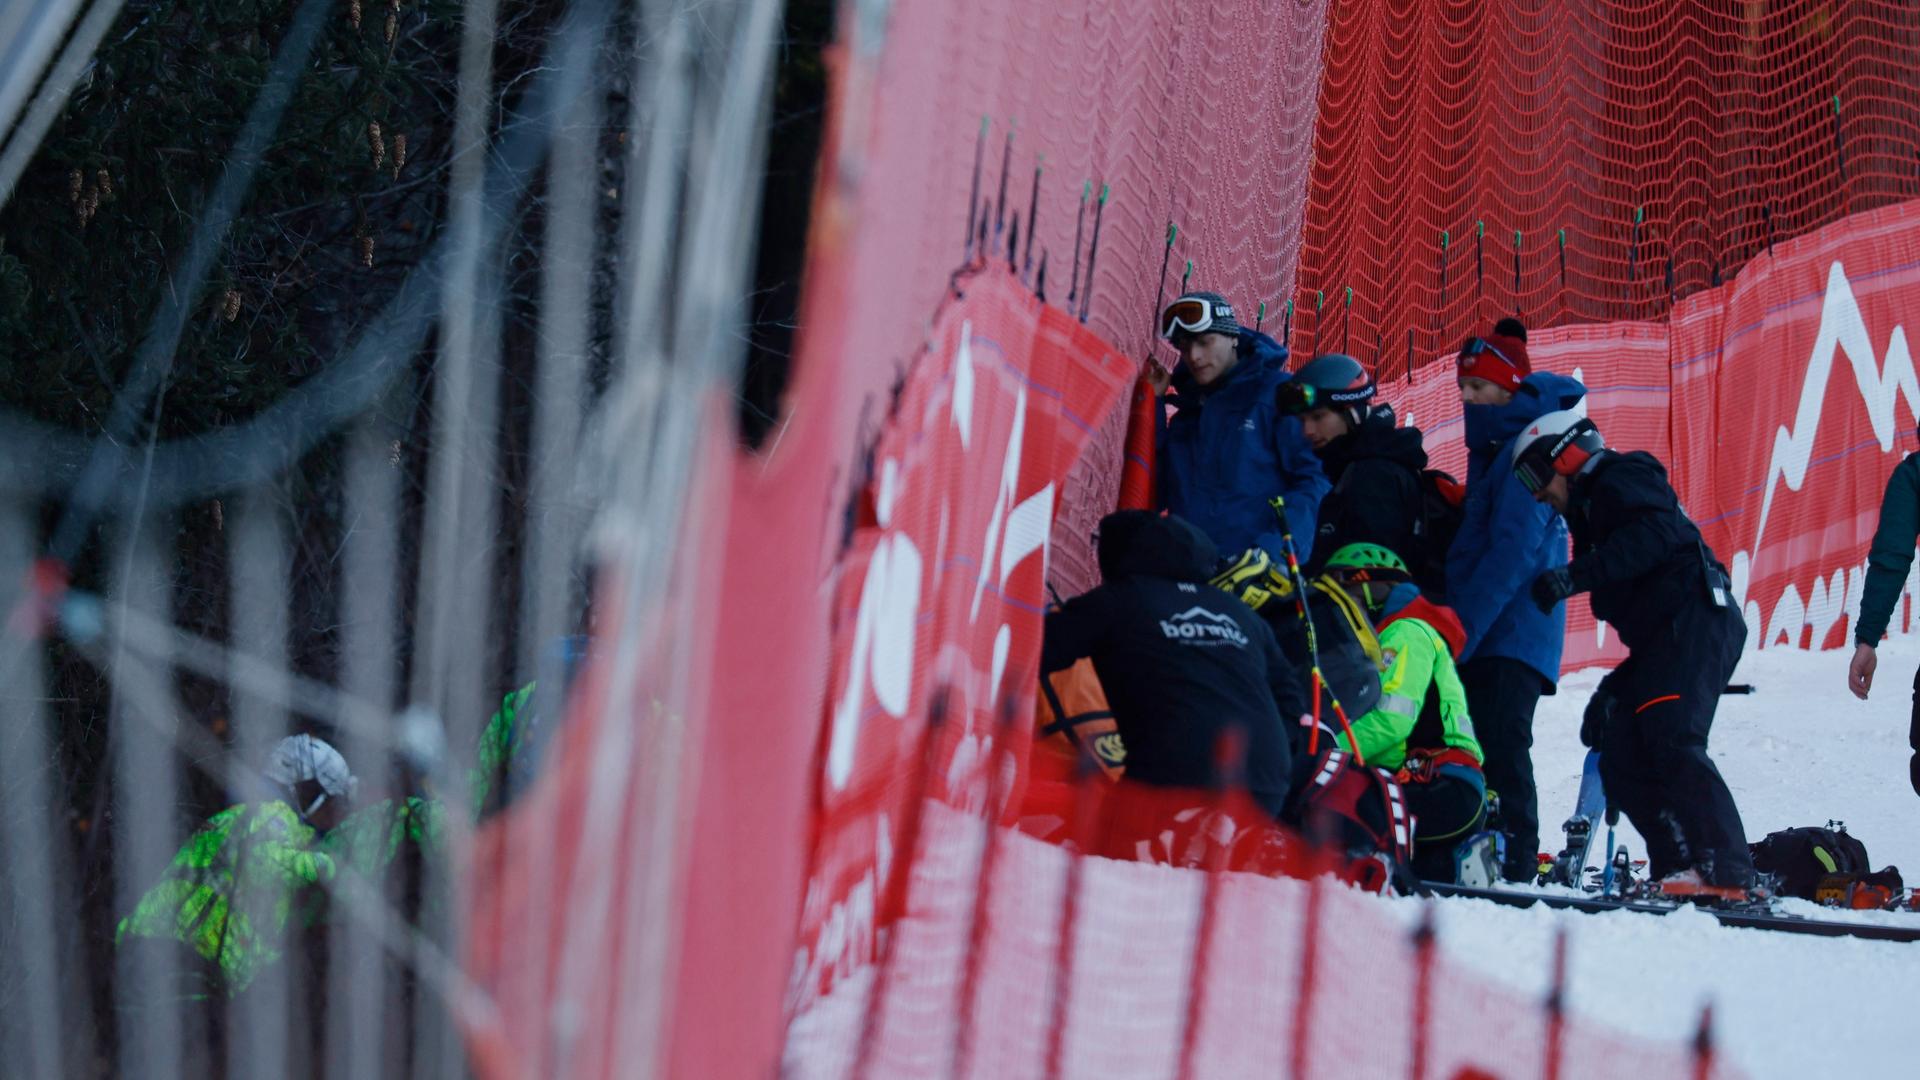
(1585, 161)
(886, 560)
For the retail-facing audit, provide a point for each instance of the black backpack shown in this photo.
(1799, 858)
(1442, 508)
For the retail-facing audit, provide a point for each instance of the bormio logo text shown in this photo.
(1198, 626)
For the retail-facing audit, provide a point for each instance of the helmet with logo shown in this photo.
(1198, 313)
(310, 771)
(1557, 444)
(1367, 562)
(1333, 381)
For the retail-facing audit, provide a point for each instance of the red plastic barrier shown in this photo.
(1779, 402)
(939, 600)
(1794, 397)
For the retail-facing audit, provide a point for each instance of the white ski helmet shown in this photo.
(297, 759)
(1557, 443)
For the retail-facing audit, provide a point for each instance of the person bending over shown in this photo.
(1183, 664)
(1653, 579)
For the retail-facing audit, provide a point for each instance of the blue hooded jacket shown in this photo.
(1228, 450)
(1506, 538)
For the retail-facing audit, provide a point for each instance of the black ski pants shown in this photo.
(1913, 736)
(1501, 696)
(1653, 751)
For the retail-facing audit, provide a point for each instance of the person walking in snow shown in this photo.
(1421, 730)
(1506, 540)
(1227, 450)
(1887, 564)
(1652, 578)
(1373, 465)
(1182, 663)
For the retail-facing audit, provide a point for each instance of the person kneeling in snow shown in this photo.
(242, 883)
(1183, 664)
(1420, 730)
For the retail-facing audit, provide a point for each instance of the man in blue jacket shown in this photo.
(1506, 539)
(1227, 450)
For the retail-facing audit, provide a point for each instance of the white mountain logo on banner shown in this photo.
(1198, 626)
(1842, 329)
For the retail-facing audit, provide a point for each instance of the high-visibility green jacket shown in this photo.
(233, 889)
(500, 740)
(1422, 705)
(236, 886)
(368, 840)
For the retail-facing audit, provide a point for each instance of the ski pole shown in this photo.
(1279, 504)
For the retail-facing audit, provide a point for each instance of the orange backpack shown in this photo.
(1071, 722)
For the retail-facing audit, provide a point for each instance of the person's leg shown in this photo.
(1502, 694)
(1628, 766)
(1692, 673)
(1913, 736)
(1446, 810)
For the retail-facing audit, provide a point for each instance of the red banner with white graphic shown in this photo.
(1794, 397)
(1779, 402)
(939, 599)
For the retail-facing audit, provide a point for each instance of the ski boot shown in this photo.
(1691, 886)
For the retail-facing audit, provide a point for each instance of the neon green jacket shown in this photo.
(1422, 705)
(499, 742)
(233, 889)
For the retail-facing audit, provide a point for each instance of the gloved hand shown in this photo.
(1245, 577)
(1593, 724)
(1913, 769)
(1552, 587)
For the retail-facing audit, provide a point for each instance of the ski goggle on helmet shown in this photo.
(1330, 381)
(1475, 346)
(1557, 444)
(1197, 313)
(1367, 562)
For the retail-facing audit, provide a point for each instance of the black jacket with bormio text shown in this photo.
(1182, 662)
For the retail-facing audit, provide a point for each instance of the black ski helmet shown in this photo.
(1559, 442)
(1330, 381)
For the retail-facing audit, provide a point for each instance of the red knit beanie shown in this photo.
(1500, 357)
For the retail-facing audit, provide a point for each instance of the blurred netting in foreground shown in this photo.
(336, 334)
(1585, 161)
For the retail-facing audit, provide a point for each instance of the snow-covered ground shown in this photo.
(1799, 751)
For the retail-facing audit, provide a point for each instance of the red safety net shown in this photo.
(832, 842)
(1198, 116)
(1585, 161)
(937, 942)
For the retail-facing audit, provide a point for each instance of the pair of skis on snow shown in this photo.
(1611, 887)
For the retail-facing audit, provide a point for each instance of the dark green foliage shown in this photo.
(97, 224)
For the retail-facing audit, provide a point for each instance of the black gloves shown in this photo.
(1552, 587)
(1913, 769)
(1593, 725)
